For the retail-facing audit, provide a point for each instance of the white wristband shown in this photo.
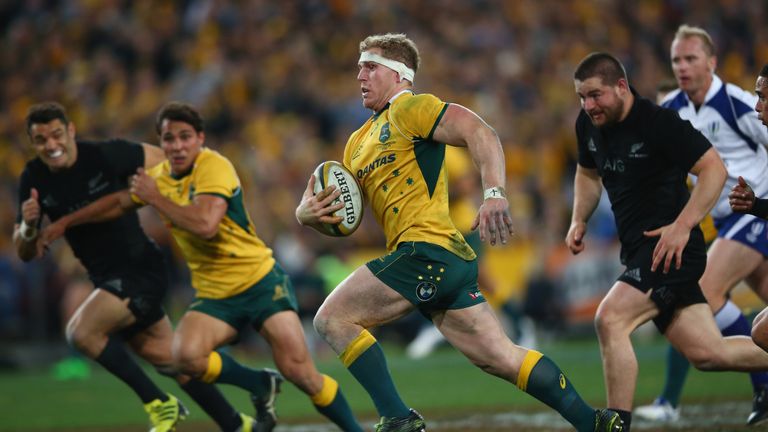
(494, 192)
(27, 232)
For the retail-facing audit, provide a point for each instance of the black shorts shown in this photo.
(674, 290)
(145, 287)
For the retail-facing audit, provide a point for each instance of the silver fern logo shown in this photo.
(634, 151)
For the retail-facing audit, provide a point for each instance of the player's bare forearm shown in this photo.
(462, 127)
(106, 208)
(711, 174)
(488, 155)
(587, 189)
(201, 217)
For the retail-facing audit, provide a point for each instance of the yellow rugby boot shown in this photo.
(163, 416)
(248, 423)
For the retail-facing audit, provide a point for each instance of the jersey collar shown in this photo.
(714, 88)
(391, 100)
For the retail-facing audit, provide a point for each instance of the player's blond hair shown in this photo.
(394, 46)
(685, 31)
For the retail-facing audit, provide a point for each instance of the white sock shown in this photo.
(727, 315)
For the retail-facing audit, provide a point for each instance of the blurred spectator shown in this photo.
(276, 75)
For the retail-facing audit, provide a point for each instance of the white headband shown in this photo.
(402, 70)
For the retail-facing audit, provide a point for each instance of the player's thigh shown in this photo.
(758, 281)
(153, 343)
(640, 294)
(197, 334)
(728, 262)
(75, 294)
(477, 333)
(694, 332)
(624, 308)
(101, 313)
(417, 274)
(364, 300)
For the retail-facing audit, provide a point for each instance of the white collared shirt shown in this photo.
(728, 120)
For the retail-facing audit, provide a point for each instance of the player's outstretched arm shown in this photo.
(460, 126)
(106, 208)
(315, 209)
(587, 188)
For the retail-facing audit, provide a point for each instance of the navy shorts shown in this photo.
(746, 229)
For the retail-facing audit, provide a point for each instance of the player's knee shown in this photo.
(606, 323)
(321, 322)
(190, 361)
(760, 323)
(83, 340)
(761, 340)
(704, 359)
(297, 373)
(760, 333)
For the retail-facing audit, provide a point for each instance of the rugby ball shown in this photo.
(334, 173)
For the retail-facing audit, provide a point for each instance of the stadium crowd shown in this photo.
(273, 80)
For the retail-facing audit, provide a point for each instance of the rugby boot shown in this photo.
(248, 423)
(266, 416)
(660, 411)
(164, 416)
(413, 422)
(759, 412)
(608, 421)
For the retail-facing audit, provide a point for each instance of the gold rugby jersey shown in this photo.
(402, 173)
(234, 259)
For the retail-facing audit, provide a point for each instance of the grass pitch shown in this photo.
(444, 387)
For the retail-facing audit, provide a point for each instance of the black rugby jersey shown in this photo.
(103, 167)
(644, 162)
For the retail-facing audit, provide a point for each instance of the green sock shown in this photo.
(674, 379)
(541, 378)
(231, 372)
(331, 403)
(365, 361)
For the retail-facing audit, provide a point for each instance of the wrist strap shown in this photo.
(760, 208)
(27, 232)
(494, 192)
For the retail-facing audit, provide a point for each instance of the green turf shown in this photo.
(444, 383)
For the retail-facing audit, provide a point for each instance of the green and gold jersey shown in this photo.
(236, 258)
(402, 173)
